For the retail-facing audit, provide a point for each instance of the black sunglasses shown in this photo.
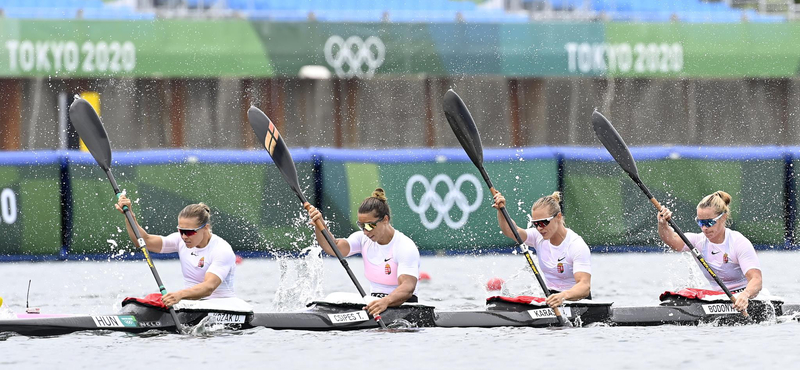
(543, 222)
(369, 226)
(191, 232)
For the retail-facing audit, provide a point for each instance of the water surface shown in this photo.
(457, 283)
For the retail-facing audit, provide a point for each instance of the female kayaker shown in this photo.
(564, 258)
(207, 261)
(391, 259)
(729, 253)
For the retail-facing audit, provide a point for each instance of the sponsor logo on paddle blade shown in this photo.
(271, 140)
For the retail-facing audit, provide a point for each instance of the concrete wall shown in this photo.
(406, 111)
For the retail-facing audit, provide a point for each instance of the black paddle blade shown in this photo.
(91, 130)
(614, 144)
(463, 126)
(273, 142)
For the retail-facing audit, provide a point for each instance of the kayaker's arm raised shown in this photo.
(316, 219)
(669, 236)
(500, 202)
(153, 241)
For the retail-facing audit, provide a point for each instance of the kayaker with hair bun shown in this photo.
(391, 259)
(564, 258)
(729, 253)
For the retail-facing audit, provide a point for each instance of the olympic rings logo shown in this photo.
(454, 197)
(361, 57)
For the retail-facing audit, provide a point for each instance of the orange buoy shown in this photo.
(424, 276)
(495, 283)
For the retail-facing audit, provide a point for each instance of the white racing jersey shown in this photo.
(384, 263)
(217, 258)
(730, 260)
(559, 263)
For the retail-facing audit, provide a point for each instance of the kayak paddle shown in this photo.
(619, 150)
(467, 133)
(91, 130)
(273, 142)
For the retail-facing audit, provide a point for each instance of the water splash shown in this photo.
(113, 251)
(6, 313)
(207, 328)
(695, 277)
(402, 326)
(771, 312)
(300, 279)
(199, 330)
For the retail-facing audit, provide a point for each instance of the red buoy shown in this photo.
(239, 259)
(424, 276)
(495, 283)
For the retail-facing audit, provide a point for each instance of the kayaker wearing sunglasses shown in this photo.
(207, 261)
(729, 253)
(563, 255)
(391, 259)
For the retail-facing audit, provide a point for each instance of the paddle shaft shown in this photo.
(332, 242)
(143, 245)
(685, 240)
(521, 242)
(267, 133)
(615, 146)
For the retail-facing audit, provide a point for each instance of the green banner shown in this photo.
(368, 49)
(702, 50)
(537, 50)
(356, 49)
(30, 204)
(437, 197)
(441, 205)
(108, 49)
(558, 49)
(251, 206)
(238, 48)
(607, 208)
